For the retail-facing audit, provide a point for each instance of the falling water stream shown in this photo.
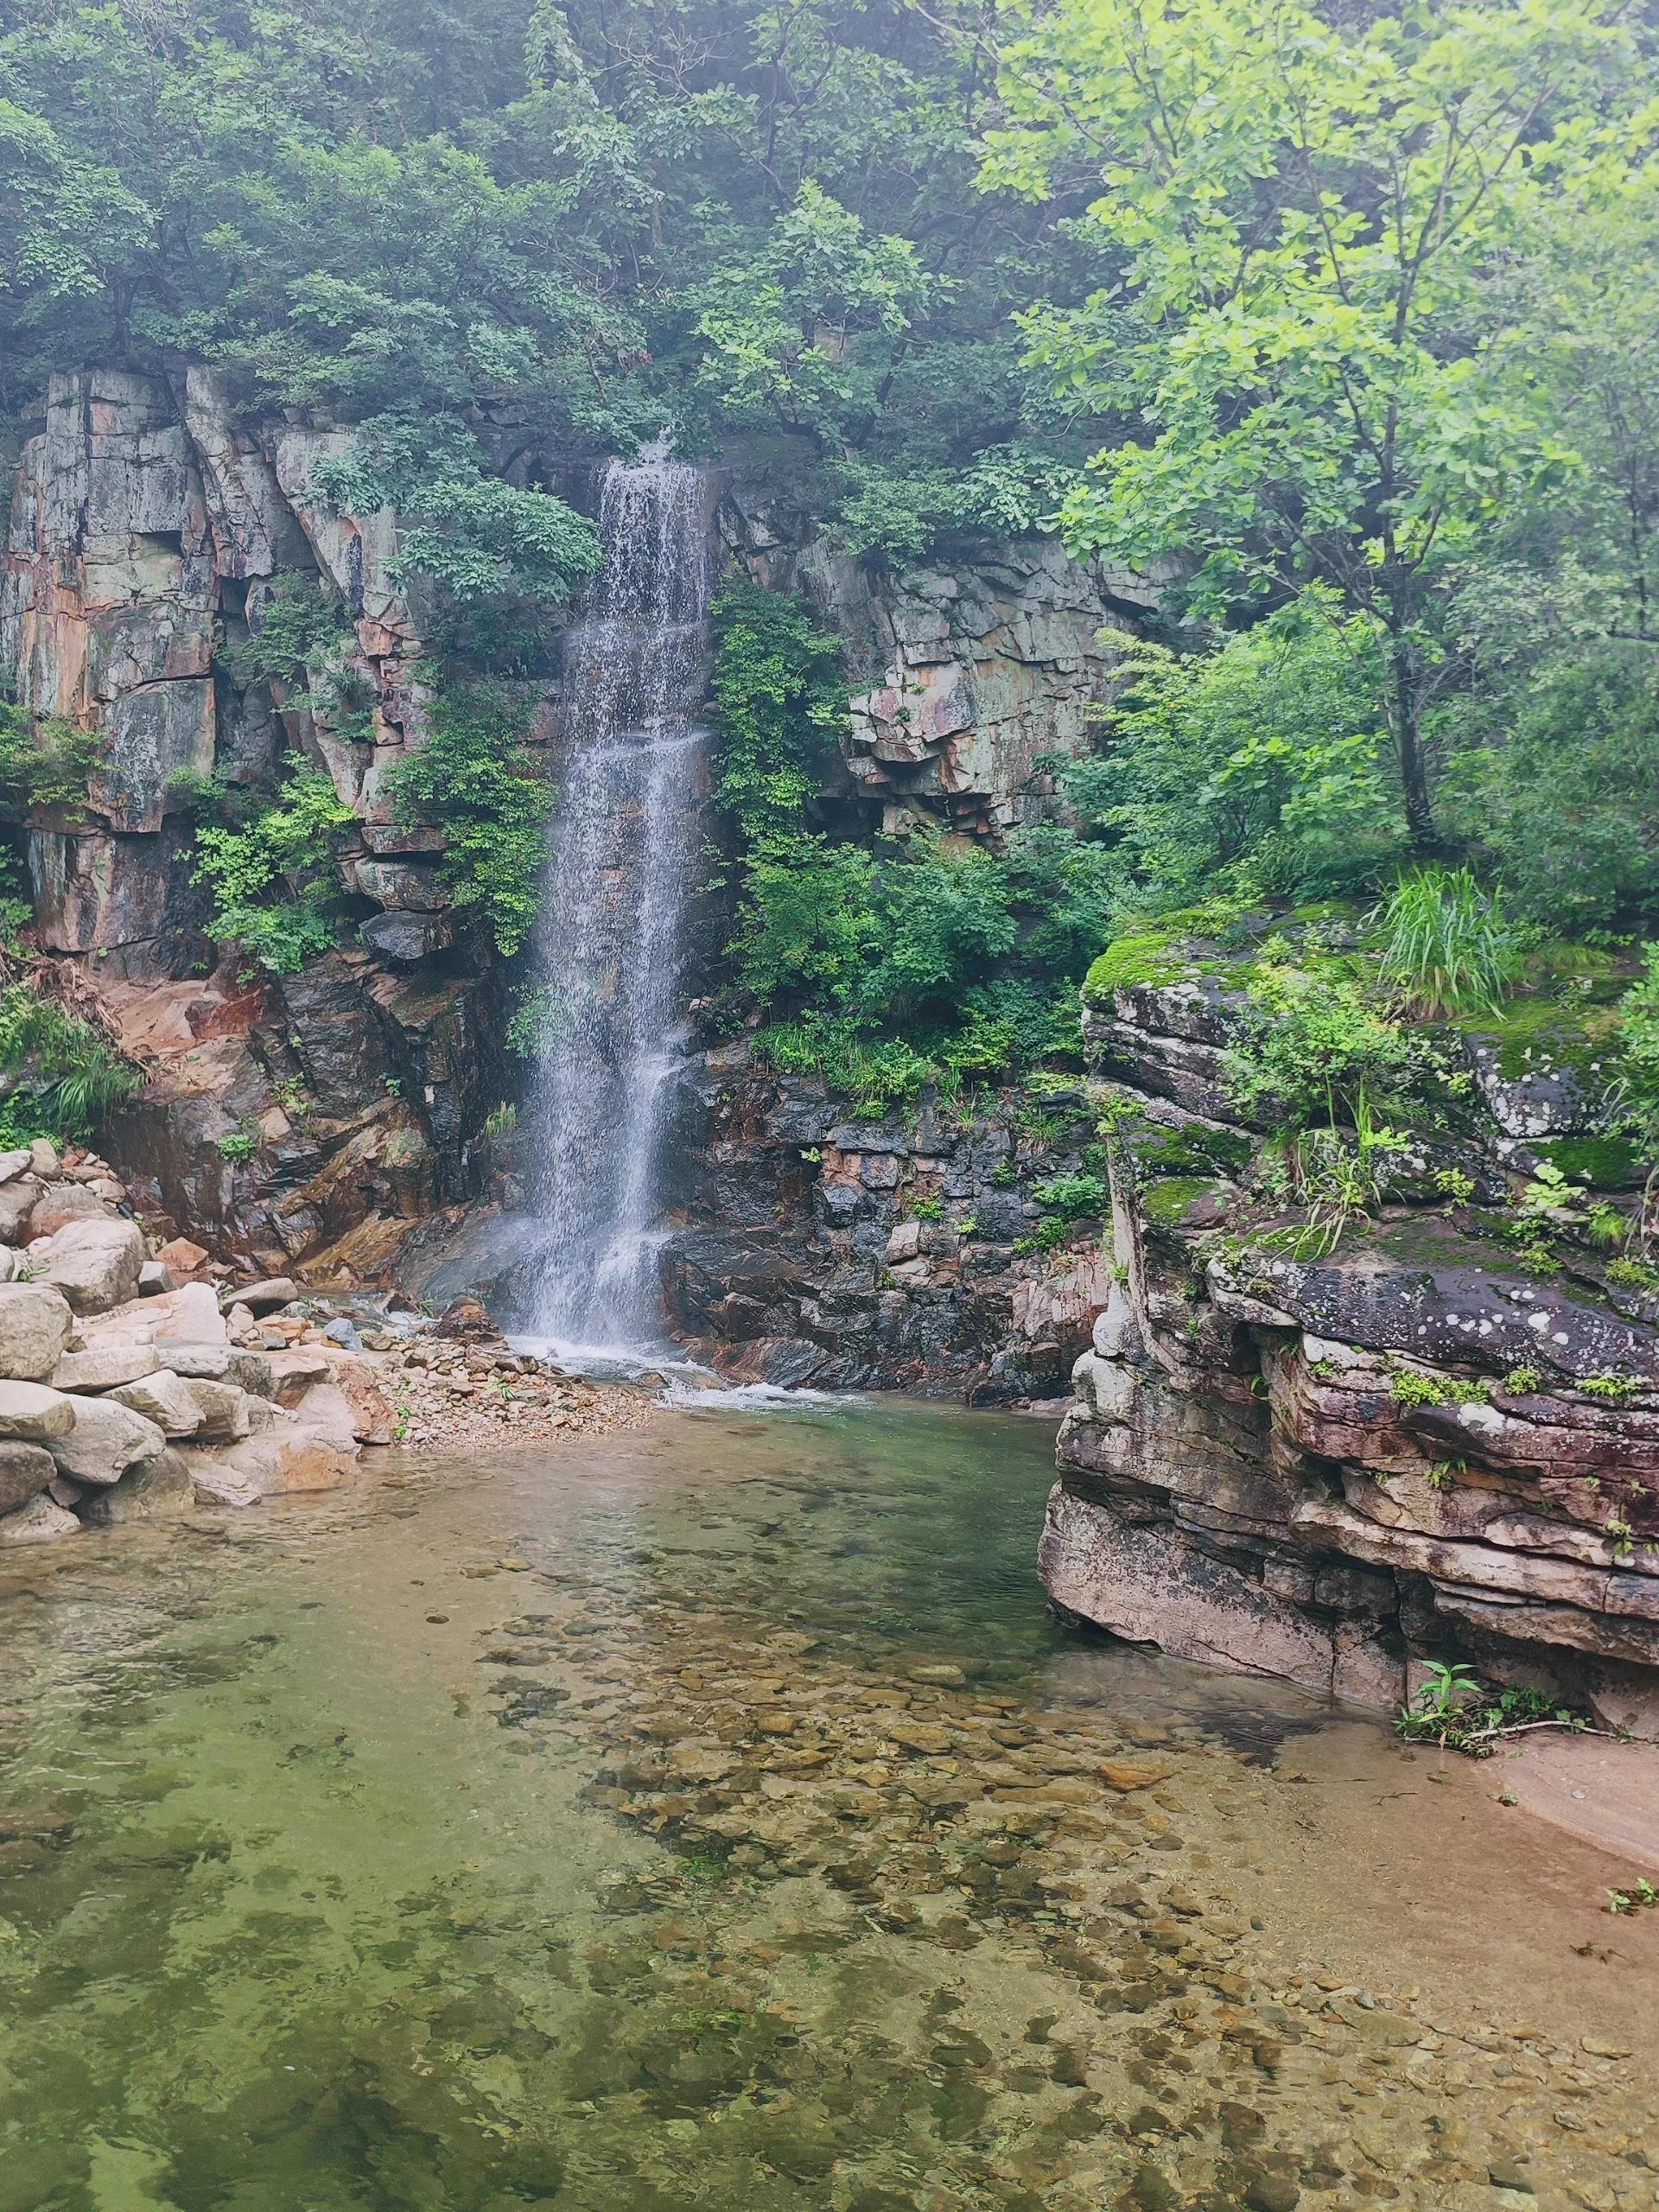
(609, 941)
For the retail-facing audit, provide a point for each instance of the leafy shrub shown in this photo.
(59, 1077)
(1075, 1198)
(1445, 945)
(1255, 768)
(473, 776)
(272, 880)
(779, 700)
(1313, 1048)
(45, 761)
(461, 524)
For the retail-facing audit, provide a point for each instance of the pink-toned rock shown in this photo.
(180, 1257)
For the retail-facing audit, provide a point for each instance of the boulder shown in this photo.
(95, 1263)
(192, 1317)
(40, 1522)
(34, 1325)
(59, 1203)
(44, 1159)
(103, 1367)
(105, 1439)
(296, 1370)
(155, 1277)
(156, 1489)
(262, 1297)
(14, 1163)
(215, 1483)
(25, 1472)
(223, 1408)
(165, 1399)
(16, 1203)
(34, 1414)
(249, 1371)
(292, 1460)
(180, 1257)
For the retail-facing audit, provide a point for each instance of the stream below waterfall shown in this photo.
(713, 1817)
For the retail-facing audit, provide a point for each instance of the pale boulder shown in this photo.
(44, 1159)
(192, 1317)
(164, 1398)
(40, 1522)
(159, 1489)
(95, 1263)
(103, 1367)
(59, 1203)
(31, 1413)
(14, 1163)
(105, 1441)
(34, 1326)
(25, 1472)
(223, 1408)
(16, 1203)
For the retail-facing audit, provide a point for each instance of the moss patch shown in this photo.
(1533, 1035)
(1164, 1204)
(1605, 1163)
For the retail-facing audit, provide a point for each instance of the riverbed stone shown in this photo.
(192, 1317)
(158, 1489)
(34, 1326)
(95, 1263)
(105, 1440)
(222, 1406)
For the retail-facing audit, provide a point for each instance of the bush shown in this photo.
(272, 882)
(1312, 1050)
(779, 700)
(60, 1076)
(1445, 945)
(473, 776)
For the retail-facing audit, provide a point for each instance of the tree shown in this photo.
(1304, 220)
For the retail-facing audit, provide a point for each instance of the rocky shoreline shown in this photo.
(136, 1387)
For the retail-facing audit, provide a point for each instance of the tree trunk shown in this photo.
(1407, 720)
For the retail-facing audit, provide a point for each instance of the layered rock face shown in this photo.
(965, 675)
(1336, 1468)
(149, 533)
(844, 1253)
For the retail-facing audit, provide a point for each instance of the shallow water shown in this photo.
(714, 1817)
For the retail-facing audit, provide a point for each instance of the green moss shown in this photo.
(1164, 1204)
(1605, 1163)
(1534, 1034)
(1154, 951)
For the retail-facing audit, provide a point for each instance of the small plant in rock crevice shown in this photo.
(1445, 946)
(1457, 1710)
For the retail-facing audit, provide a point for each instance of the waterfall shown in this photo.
(607, 953)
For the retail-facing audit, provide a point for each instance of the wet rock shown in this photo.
(1127, 1775)
(40, 1522)
(34, 1325)
(158, 1489)
(222, 1408)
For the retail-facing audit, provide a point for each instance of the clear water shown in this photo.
(544, 1832)
(619, 868)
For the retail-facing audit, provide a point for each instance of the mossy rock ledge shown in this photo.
(1338, 1466)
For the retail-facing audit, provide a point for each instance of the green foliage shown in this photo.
(1312, 1049)
(295, 628)
(1260, 768)
(474, 777)
(778, 700)
(59, 1077)
(45, 761)
(272, 882)
(1455, 1710)
(460, 524)
(1074, 1198)
(1445, 945)
(237, 1145)
(1324, 397)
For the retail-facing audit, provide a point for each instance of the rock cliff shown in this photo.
(1335, 1460)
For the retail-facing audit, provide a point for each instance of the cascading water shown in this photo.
(619, 867)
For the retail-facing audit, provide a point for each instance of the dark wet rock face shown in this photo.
(1336, 1468)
